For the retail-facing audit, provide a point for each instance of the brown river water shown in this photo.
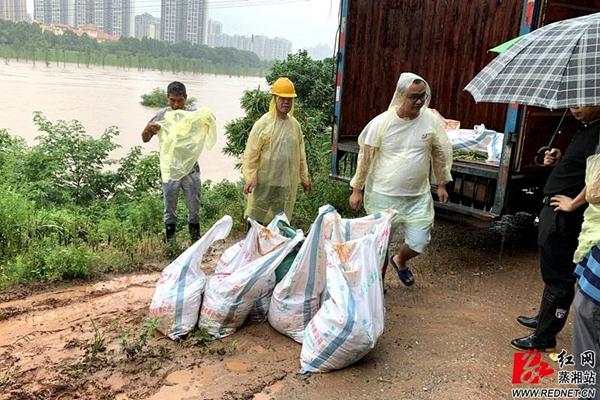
(101, 97)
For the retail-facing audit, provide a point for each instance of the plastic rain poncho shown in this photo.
(275, 159)
(590, 229)
(397, 166)
(182, 136)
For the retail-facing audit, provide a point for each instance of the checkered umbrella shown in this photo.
(556, 66)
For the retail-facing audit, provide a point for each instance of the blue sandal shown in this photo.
(405, 275)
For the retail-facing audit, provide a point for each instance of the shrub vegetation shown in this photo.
(70, 211)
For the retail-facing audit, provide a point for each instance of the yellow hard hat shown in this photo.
(283, 87)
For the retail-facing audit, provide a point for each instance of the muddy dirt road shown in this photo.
(446, 338)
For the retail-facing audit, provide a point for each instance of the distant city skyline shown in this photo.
(306, 23)
(113, 17)
(265, 48)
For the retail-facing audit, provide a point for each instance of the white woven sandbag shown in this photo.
(350, 322)
(178, 294)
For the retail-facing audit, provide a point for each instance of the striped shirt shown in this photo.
(588, 271)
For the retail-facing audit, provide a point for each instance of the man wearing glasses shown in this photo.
(397, 149)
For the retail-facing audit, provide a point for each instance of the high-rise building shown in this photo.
(280, 49)
(85, 12)
(154, 30)
(14, 10)
(114, 17)
(215, 28)
(148, 26)
(197, 21)
(41, 11)
(183, 20)
(54, 11)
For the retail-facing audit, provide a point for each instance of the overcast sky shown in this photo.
(306, 23)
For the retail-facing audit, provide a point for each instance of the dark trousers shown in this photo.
(557, 241)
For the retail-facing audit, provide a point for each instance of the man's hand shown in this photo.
(249, 187)
(563, 203)
(551, 157)
(306, 186)
(151, 129)
(356, 199)
(442, 194)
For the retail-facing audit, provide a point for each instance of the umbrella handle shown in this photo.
(539, 156)
(542, 150)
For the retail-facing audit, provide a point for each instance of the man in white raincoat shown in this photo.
(397, 150)
(182, 133)
(274, 161)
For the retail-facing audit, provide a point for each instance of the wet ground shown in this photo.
(446, 338)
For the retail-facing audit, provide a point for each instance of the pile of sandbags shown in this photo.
(330, 299)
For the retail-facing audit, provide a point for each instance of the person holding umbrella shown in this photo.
(556, 66)
(560, 223)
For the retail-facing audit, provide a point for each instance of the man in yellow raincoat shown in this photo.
(397, 150)
(182, 131)
(274, 161)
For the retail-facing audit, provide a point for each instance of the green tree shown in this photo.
(12, 152)
(65, 214)
(74, 162)
(313, 79)
(254, 103)
(137, 174)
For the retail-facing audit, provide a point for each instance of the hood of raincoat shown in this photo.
(404, 81)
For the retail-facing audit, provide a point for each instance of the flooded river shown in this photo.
(100, 97)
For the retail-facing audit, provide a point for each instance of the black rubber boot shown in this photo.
(170, 232)
(528, 322)
(551, 319)
(531, 322)
(553, 314)
(194, 231)
(533, 342)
